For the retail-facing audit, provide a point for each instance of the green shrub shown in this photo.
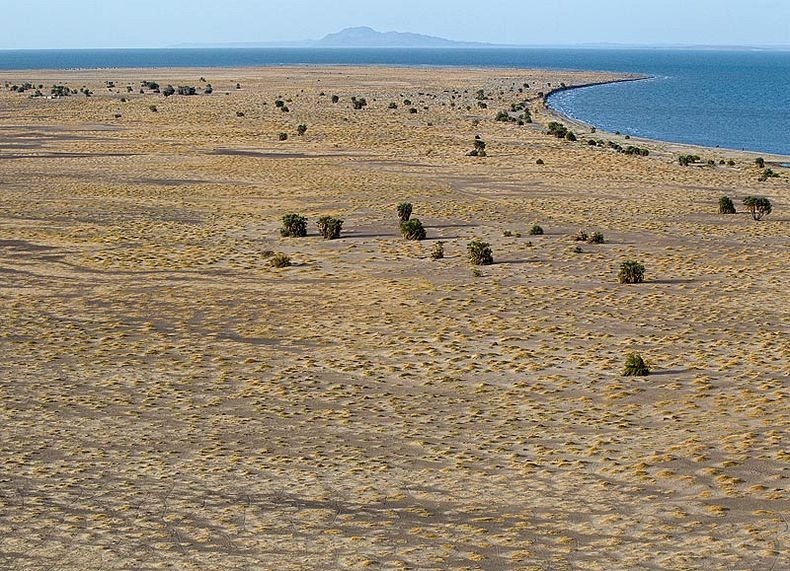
(558, 130)
(570, 136)
(412, 229)
(539, 162)
(438, 251)
(301, 130)
(404, 211)
(631, 272)
(282, 137)
(294, 226)
(686, 160)
(480, 253)
(329, 227)
(280, 260)
(335, 99)
(767, 173)
(635, 366)
(760, 162)
(392, 105)
(536, 231)
(726, 206)
(596, 238)
(731, 163)
(153, 108)
(758, 206)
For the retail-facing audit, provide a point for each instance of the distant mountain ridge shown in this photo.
(365, 37)
(358, 37)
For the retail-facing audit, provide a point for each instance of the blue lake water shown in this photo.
(732, 99)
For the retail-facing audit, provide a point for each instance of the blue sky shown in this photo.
(158, 23)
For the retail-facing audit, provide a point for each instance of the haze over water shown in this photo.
(731, 99)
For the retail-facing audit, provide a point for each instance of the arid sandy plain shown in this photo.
(170, 401)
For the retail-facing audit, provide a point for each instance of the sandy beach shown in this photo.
(168, 400)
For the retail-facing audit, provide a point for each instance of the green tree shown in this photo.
(758, 206)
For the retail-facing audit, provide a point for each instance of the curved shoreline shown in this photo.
(774, 158)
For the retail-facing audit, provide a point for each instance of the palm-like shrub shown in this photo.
(330, 227)
(758, 206)
(635, 366)
(294, 226)
(726, 206)
(404, 211)
(480, 253)
(631, 272)
(412, 229)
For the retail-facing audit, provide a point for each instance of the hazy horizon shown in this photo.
(50, 24)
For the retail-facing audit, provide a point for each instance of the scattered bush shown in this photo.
(581, 236)
(596, 238)
(282, 136)
(153, 108)
(558, 130)
(301, 130)
(570, 136)
(577, 250)
(480, 148)
(335, 99)
(186, 90)
(294, 226)
(767, 173)
(438, 251)
(731, 163)
(60, 91)
(392, 105)
(404, 211)
(480, 253)
(359, 103)
(635, 366)
(152, 85)
(631, 272)
(239, 114)
(280, 260)
(536, 230)
(726, 206)
(758, 206)
(539, 162)
(412, 229)
(330, 227)
(168, 91)
(279, 103)
(760, 162)
(686, 160)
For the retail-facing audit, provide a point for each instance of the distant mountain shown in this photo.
(361, 37)
(364, 37)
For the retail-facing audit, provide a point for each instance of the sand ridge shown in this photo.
(168, 400)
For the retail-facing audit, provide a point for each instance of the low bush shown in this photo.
(635, 366)
(282, 137)
(301, 130)
(581, 236)
(536, 230)
(596, 238)
(760, 162)
(767, 173)
(758, 206)
(329, 227)
(412, 229)
(294, 226)
(557, 129)
(631, 272)
(726, 206)
(438, 251)
(480, 253)
(280, 260)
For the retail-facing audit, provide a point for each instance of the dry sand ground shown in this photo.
(168, 400)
